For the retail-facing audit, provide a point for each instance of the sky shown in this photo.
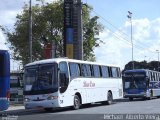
(117, 47)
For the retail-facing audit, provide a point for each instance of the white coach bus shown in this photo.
(65, 82)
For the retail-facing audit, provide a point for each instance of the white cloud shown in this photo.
(117, 50)
(8, 13)
(117, 47)
(2, 41)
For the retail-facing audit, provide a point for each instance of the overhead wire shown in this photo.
(138, 46)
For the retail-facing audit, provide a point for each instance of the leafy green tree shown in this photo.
(47, 27)
(153, 65)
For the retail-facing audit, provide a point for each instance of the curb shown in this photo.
(13, 110)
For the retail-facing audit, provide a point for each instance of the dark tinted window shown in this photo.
(40, 78)
(63, 76)
(96, 71)
(105, 72)
(45, 77)
(74, 69)
(85, 70)
(119, 72)
(114, 72)
(64, 68)
(30, 77)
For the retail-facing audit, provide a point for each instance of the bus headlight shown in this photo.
(52, 97)
(26, 99)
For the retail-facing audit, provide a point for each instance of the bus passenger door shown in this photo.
(63, 84)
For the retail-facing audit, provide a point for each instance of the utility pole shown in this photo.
(158, 59)
(78, 26)
(30, 31)
(130, 17)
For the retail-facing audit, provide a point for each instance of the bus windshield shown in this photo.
(135, 81)
(40, 78)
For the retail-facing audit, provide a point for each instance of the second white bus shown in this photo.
(65, 82)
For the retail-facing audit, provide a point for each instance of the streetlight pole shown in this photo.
(30, 31)
(158, 58)
(130, 17)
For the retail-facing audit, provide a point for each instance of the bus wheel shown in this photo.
(77, 102)
(48, 109)
(109, 98)
(130, 99)
(144, 98)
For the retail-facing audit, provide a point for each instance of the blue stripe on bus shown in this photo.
(134, 91)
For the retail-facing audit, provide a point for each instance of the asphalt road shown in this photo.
(97, 111)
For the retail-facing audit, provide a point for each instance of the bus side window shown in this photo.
(114, 72)
(110, 72)
(85, 70)
(82, 70)
(96, 71)
(105, 72)
(119, 72)
(88, 70)
(63, 76)
(74, 70)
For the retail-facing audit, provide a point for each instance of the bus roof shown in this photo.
(139, 70)
(57, 60)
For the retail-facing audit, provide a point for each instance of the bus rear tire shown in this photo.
(76, 102)
(48, 109)
(130, 99)
(109, 98)
(144, 98)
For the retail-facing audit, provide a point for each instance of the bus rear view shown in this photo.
(4, 79)
(135, 84)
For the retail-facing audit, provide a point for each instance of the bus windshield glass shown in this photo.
(40, 78)
(134, 81)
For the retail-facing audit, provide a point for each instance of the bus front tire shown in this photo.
(76, 102)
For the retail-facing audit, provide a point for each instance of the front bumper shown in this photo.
(41, 104)
(134, 95)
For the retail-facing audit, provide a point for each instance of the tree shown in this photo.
(153, 65)
(47, 27)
